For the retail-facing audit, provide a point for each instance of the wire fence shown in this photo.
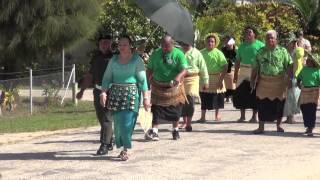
(50, 85)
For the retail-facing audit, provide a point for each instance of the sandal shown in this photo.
(241, 120)
(189, 128)
(280, 129)
(253, 120)
(258, 131)
(201, 121)
(123, 156)
(182, 126)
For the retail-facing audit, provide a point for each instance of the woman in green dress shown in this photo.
(124, 80)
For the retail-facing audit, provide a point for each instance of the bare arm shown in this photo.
(222, 75)
(254, 75)
(87, 81)
(181, 75)
(149, 74)
(223, 72)
(290, 75)
(236, 70)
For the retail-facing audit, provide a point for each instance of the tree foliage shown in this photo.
(34, 30)
(231, 19)
(310, 12)
(125, 17)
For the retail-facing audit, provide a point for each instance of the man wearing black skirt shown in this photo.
(166, 68)
(272, 74)
(244, 97)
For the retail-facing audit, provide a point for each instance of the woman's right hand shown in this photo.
(146, 104)
(103, 99)
(235, 78)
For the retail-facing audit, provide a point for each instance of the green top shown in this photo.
(298, 60)
(214, 59)
(165, 67)
(132, 72)
(247, 51)
(272, 62)
(309, 77)
(197, 64)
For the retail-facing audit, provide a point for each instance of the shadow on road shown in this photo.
(56, 156)
(266, 133)
(70, 142)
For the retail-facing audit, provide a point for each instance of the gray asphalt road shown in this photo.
(214, 150)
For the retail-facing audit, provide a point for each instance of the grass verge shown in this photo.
(49, 118)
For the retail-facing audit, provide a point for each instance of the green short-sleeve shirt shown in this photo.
(197, 64)
(165, 67)
(215, 60)
(247, 51)
(309, 77)
(272, 62)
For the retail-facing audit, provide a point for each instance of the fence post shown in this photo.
(74, 85)
(1, 91)
(31, 104)
(63, 67)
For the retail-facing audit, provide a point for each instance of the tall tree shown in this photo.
(34, 30)
(310, 11)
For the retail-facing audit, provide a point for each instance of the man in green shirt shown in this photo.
(197, 74)
(244, 97)
(268, 72)
(166, 68)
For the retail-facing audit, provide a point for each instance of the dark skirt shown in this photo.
(210, 101)
(243, 98)
(270, 110)
(188, 107)
(309, 112)
(170, 113)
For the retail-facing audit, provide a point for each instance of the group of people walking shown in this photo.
(256, 76)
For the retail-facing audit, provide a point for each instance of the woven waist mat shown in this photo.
(271, 87)
(214, 83)
(191, 86)
(168, 96)
(309, 95)
(244, 74)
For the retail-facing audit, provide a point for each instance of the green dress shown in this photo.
(131, 73)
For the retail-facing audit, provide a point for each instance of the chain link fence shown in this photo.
(37, 88)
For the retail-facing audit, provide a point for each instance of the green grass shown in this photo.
(48, 118)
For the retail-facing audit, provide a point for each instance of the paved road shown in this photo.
(214, 150)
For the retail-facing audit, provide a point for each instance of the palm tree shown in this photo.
(310, 11)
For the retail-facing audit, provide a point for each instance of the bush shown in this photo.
(232, 19)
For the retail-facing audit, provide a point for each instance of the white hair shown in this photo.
(273, 33)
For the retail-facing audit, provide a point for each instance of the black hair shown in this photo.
(104, 36)
(252, 28)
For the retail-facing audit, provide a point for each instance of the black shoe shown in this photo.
(112, 143)
(151, 136)
(309, 132)
(175, 135)
(103, 150)
(110, 147)
(188, 128)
